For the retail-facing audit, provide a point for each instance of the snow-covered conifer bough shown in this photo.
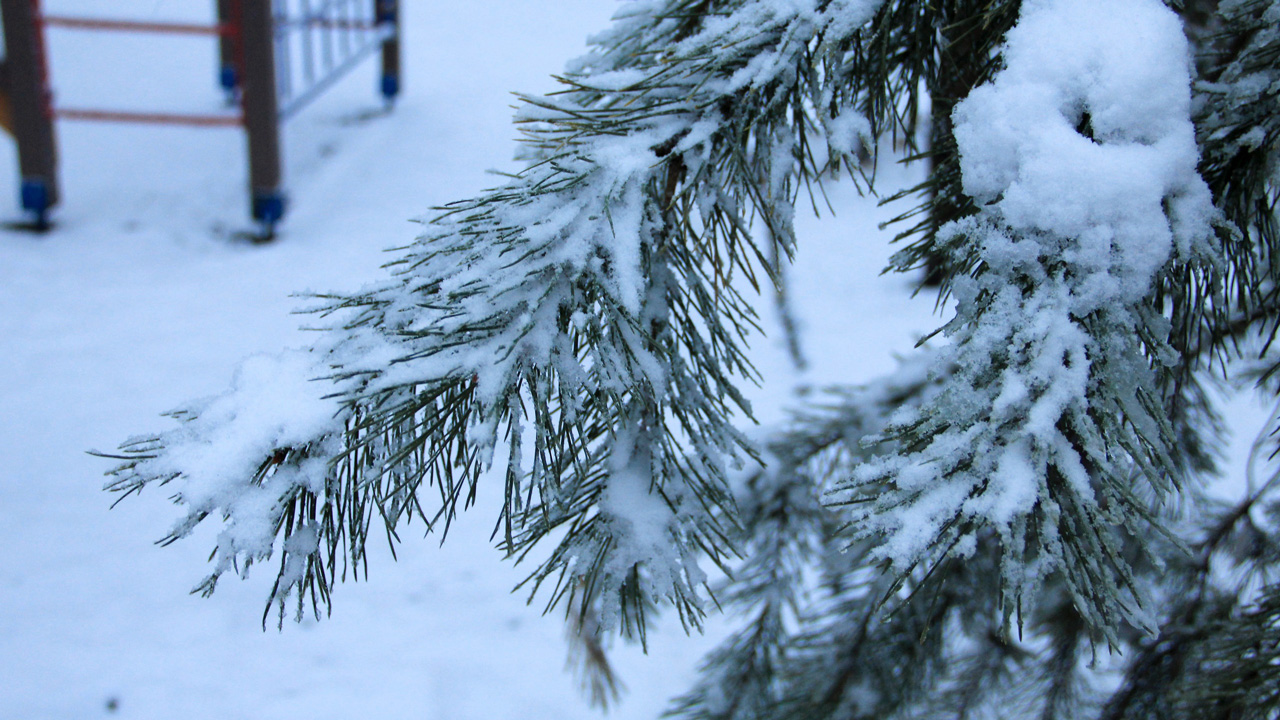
(586, 308)
(1081, 156)
(587, 321)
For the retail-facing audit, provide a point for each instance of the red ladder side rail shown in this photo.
(83, 23)
(149, 117)
(172, 28)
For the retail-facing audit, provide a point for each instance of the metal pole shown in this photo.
(388, 12)
(262, 113)
(228, 78)
(25, 85)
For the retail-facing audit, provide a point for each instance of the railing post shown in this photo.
(29, 105)
(228, 76)
(387, 12)
(261, 112)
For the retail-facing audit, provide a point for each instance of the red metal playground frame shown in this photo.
(275, 56)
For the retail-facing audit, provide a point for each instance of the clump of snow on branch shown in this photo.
(1082, 158)
(243, 455)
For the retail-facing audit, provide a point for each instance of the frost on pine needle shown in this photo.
(1051, 434)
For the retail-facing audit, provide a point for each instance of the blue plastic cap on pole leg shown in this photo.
(268, 209)
(35, 195)
(390, 86)
(35, 198)
(227, 78)
(268, 206)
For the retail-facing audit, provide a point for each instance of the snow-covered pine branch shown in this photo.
(867, 647)
(787, 551)
(1052, 430)
(588, 308)
(588, 319)
(1238, 130)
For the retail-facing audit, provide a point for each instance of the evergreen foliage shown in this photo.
(1012, 525)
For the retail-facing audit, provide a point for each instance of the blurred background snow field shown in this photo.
(143, 298)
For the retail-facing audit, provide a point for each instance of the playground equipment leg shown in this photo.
(261, 113)
(388, 11)
(31, 115)
(228, 76)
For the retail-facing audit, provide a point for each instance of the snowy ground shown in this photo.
(143, 298)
